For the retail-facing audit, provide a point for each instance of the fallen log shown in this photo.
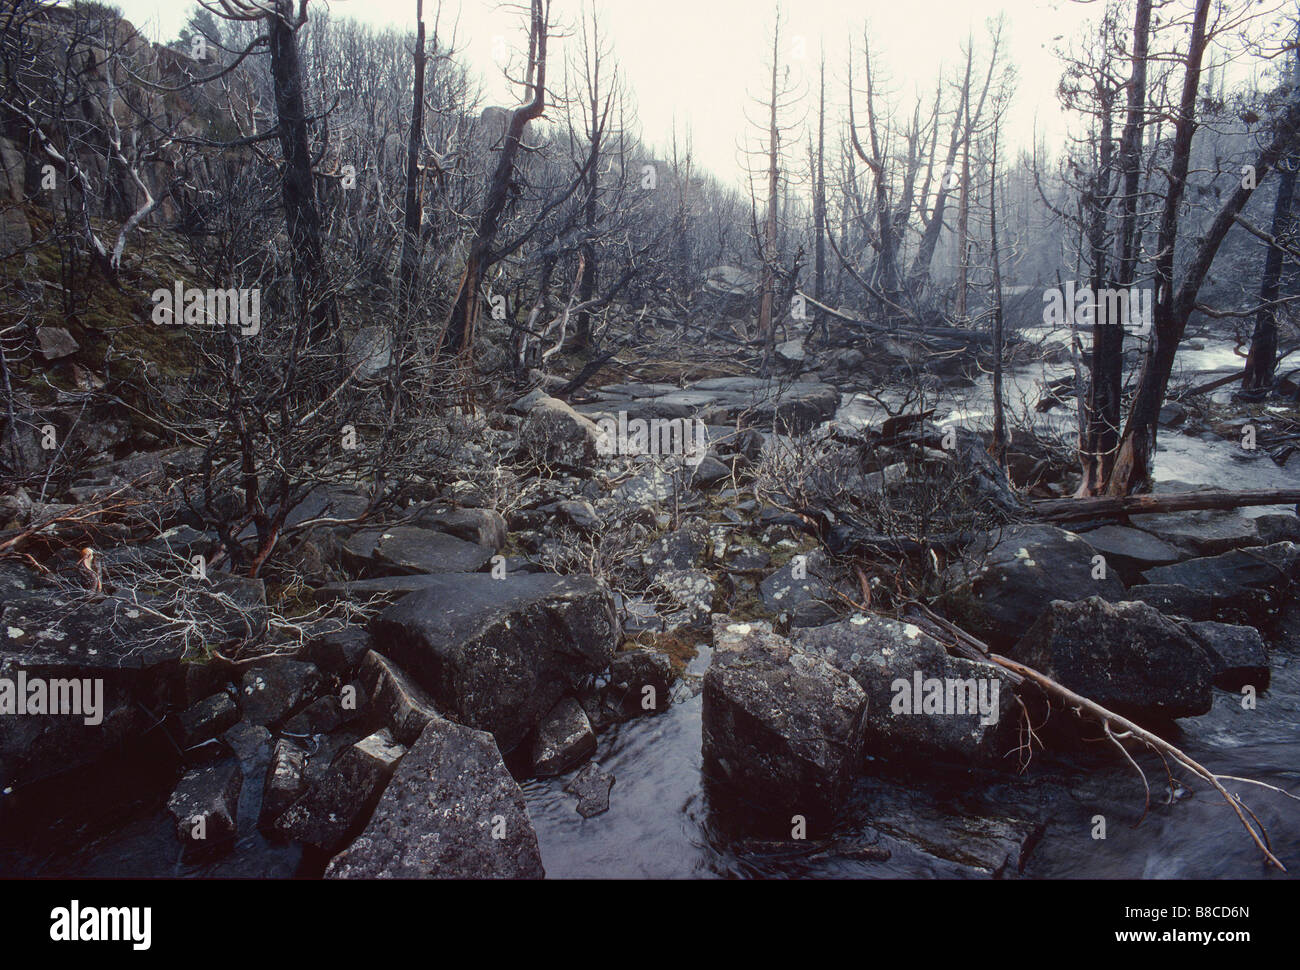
(1211, 386)
(1077, 509)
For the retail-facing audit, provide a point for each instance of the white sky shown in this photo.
(698, 60)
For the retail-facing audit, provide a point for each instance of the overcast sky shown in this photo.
(699, 60)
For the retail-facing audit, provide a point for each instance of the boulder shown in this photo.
(922, 704)
(337, 804)
(393, 700)
(553, 433)
(275, 689)
(1237, 653)
(451, 811)
(1131, 550)
(1025, 569)
(564, 739)
(579, 515)
(784, 590)
(286, 779)
(205, 806)
(55, 343)
(1175, 600)
(1127, 657)
(708, 473)
(692, 591)
(591, 785)
(405, 549)
(1275, 528)
(206, 719)
(782, 732)
(497, 654)
(1245, 583)
(1206, 532)
(124, 660)
(483, 527)
(338, 652)
(681, 549)
(640, 681)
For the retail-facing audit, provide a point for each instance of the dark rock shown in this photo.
(1026, 569)
(206, 719)
(564, 739)
(1206, 532)
(580, 515)
(405, 549)
(1249, 582)
(125, 660)
(591, 785)
(55, 343)
(1127, 657)
(783, 591)
(394, 700)
(339, 652)
(677, 550)
(1176, 600)
(336, 806)
(286, 779)
(640, 681)
(205, 806)
(812, 613)
(782, 730)
(1278, 528)
(955, 710)
(276, 688)
(709, 472)
(1131, 550)
(1237, 653)
(497, 655)
(483, 527)
(692, 591)
(248, 742)
(319, 717)
(553, 433)
(451, 811)
(1172, 415)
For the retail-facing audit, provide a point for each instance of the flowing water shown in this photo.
(660, 823)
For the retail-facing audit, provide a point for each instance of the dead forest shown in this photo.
(388, 459)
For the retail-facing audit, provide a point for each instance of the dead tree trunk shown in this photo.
(819, 210)
(297, 183)
(1261, 362)
(998, 447)
(1107, 371)
(766, 323)
(409, 262)
(1172, 309)
(458, 337)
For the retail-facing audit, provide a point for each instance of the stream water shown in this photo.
(659, 823)
(1039, 824)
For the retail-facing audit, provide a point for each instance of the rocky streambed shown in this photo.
(722, 700)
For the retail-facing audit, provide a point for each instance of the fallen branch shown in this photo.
(1127, 729)
(1075, 509)
(1116, 728)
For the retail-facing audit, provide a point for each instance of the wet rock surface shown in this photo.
(451, 811)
